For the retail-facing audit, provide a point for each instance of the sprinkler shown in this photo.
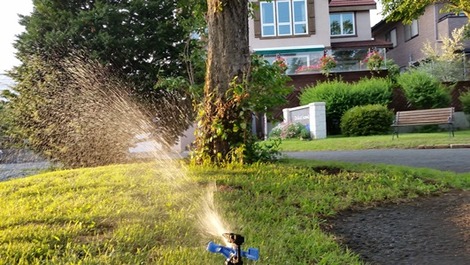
(233, 254)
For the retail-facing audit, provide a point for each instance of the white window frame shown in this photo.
(267, 24)
(341, 24)
(304, 22)
(291, 23)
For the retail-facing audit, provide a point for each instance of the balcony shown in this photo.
(341, 60)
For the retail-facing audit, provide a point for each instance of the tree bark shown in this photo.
(228, 62)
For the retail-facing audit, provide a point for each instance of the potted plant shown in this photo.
(281, 63)
(327, 63)
(373, 60)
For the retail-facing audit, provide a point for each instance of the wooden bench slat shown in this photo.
(424, 117)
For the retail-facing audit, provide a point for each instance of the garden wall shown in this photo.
(313, 116)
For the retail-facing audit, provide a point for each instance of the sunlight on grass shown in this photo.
(106, 215)
(406, 140)
(129, 214)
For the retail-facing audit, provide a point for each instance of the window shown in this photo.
(342, 24)
(391, 36)
(411, 30)
(283, 18)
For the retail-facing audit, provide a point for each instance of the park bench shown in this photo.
(424, 117)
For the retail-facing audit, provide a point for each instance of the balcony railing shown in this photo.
(344, 60)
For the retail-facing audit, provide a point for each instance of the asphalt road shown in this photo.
(14, 170)
(457, 160)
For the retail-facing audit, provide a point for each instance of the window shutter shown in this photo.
(257, 21)
(311, 16)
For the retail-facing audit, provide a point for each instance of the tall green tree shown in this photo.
(140, 38)
(137, 41)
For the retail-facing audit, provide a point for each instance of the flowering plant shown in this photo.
(327, 63)
(281, 63)
(305, 68)
(373, 60)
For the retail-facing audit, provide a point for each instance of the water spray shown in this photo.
(234, 252)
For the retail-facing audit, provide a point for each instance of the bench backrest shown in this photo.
(429, 116)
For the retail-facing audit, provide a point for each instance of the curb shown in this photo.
(444, 146)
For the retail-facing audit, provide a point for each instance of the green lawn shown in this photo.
(405, 140)
(147, 213)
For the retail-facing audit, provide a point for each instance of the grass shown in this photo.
(405, 140)
(132, 214)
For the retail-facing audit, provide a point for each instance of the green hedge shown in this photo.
(366, 120)
(340, 96)
(465, 99)
(423, 91)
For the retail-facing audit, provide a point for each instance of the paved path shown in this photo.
(14, 170)
(457, 160)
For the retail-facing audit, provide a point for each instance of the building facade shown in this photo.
(409, 39)
(302, 32)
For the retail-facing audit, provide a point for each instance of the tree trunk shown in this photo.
(228, 62)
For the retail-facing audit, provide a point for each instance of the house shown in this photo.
(303, 31)
(409, 39)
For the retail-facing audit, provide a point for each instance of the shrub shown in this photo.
(423, 91)
(276, 131)
(465, 99)
(340, 96)
(372, 91)
(366, 120)
(335, 95)
(393, 71)
(290, 130)
(267, 151)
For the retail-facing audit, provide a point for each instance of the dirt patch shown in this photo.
(430, 230)
(228, 188)
(326, 170)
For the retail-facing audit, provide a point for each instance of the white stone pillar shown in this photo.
(286, 115)
(317, 114)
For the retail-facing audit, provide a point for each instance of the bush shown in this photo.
(335, 95)
(423, 91)
(465, 99)
(266, 151)
(340, 96)
(366, 120)
(290, 130)
(372, 91)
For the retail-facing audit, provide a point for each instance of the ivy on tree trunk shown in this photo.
(222, 124)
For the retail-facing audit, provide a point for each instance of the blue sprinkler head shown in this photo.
(233, 254)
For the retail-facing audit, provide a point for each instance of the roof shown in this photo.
(362, 44)
(338, 3)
